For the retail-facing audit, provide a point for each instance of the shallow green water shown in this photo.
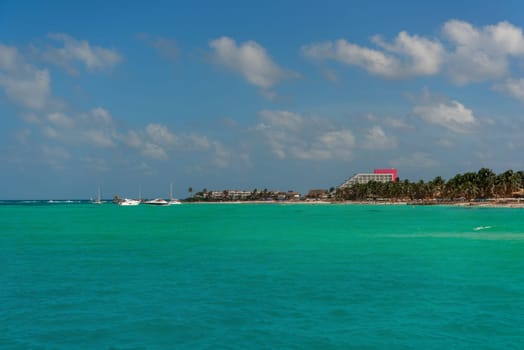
(260, 277)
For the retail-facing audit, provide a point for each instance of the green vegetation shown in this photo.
(238, 195)
(484, 184)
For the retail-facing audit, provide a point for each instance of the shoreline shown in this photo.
(489, 204)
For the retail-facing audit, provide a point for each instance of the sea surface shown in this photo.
(260, 276)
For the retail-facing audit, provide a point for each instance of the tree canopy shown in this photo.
(484, 184)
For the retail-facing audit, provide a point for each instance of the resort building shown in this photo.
(378, 175)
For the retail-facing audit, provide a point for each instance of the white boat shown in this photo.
(128, 202)
(156, 201)
(172, 201)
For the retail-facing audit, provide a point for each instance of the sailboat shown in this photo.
(172, 201)
(98, 199)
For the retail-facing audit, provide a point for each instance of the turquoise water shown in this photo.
(80, 276)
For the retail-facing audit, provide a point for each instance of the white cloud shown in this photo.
(160, 134)
(512, 87)
(153, 151)
(61, 120)
(198, 141)
(8, 57)
(28, 87)
(336, 144)
(95, 128)
(475, 53)
(407, 56)
(397, 123)
(449, 114)
(250, 60)
(100, 115)
(23, 83)
(132, 139)
(222, 157)
(93, 57)
(156, 141)
(376, 139)
(50, 132)
(283, 119)
(290, 135)
(482, 53)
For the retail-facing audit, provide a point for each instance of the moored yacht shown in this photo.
(172, 201)
(128, 202)
(156, 201)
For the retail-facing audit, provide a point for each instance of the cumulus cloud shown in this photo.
(251, 60)
(376, 139)
(222, 156)
(160, 134)
(482, 53)
(290, 135)
(156, 141)
(397, 123)
(512, 87)
(95, 128)
(472, 54)
(198, 141)
(60, 119)
(8, 57)
(280, 119)
(98, 115)
(407, 56)
(23, 83)
(451, 115)
(337, 144)
(30, 87)
(153, 151)
(81, 51)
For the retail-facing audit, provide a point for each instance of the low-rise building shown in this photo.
(317, 194)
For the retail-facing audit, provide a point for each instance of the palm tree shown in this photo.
(436, 187)
(507, 183)
(190, 190)
(486, 182)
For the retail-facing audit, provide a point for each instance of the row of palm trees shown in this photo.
(484, 184)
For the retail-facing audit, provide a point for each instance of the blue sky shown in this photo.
(239, 95)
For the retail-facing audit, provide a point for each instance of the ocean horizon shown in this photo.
(83, 276)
